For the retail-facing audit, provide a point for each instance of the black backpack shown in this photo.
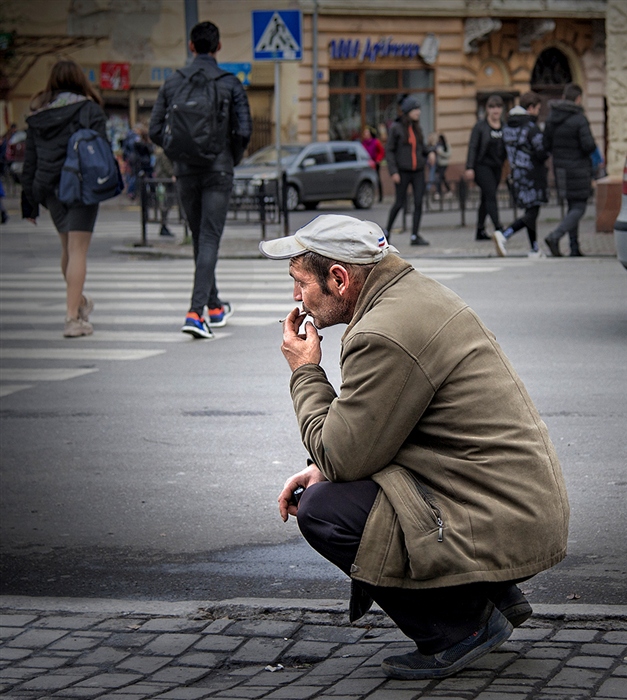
(197, 120)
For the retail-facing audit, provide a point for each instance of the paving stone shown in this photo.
(81, 693)
(574, 635)
(8, 632)
(7, 654)
(218, 626)
(172, 644)
(68, 622)
(336, 666)
(613, 688)
(460, 684)
(264, 650)
(294, 692)
(142, 689)
(184, 694)
(264, 628)
(129, 640)
(575, 678)
(180, 674)
(36, 639)
(50, 682)
(172, 624)
(308, 651)
(531, 668)
(219, 642)
(121, 624)
(492, 695)
(102, 656)
(525, 634)
(493, 661)
(75, 643)
(616, 637)
(387, 694)
(44, 662)
(385, 636)
(244, 692)
(205, 659)
(356, 686)
(14, 674)
(620, 670)
(591, 661)
(548, 652)
(358, 649)
(144, 664)
(603, 649)
(328, 633)
(17, 620)
(109, 680)
(284, 677)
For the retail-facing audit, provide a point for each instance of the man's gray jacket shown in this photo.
(241, 124)
(431, 409)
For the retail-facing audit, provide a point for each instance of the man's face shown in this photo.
(326, 308)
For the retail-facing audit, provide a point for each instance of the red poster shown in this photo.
(114, 76)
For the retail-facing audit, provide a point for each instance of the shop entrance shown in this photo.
(550, 74)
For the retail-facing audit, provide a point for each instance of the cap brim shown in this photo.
(282, 248)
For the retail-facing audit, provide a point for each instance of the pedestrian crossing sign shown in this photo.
(277, 35)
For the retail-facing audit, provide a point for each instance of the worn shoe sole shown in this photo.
(404, 673)
(499, 244)
(228, 312)
(197, 333)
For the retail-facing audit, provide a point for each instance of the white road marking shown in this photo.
(11, 374)
(113, 354)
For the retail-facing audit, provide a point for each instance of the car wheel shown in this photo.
(311, 205)
(365, 196)
(292, 198)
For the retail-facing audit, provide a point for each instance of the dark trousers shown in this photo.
(487, 179)
(417, 180)
(380, 186)
(332, 517)
(528, 220)
(205, 199)
(440, 178)
(570, 223)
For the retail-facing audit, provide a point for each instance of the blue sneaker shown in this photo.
(196, 326)
(217, 317)
(417, 666)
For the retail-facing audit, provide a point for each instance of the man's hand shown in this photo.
(396, 179)
(303, 349)
(469, 174)
(310, 475)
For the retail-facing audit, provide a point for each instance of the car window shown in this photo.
(321, 157)
(344, 154)
(267, 156)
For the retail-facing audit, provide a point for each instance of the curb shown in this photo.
(254, 607)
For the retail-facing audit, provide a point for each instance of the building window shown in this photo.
(369, 97)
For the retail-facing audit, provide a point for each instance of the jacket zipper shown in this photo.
(437, 513)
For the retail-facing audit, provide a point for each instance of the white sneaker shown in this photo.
(536, 254)
(499, 243)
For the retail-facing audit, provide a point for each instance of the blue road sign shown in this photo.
(277, 35)
(241, 70)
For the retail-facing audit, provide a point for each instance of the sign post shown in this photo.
(277, 36)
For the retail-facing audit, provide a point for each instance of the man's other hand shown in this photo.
(310, 475)
(300, 349)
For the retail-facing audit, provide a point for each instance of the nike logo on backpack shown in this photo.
(102, 180)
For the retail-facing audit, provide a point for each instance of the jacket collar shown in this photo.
(385, 273)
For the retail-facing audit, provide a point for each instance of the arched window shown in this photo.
(550, 73)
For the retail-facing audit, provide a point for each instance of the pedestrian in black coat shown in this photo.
(567, 136)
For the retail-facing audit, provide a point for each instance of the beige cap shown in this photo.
(334, 236)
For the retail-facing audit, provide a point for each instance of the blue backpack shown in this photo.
(90, 173)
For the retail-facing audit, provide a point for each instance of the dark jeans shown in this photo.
(570, 223)
(205, 199)
(417, 180)
(528, 220)
(487, 179)
(440, 178)
(332, 517)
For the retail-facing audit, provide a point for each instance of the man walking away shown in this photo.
(435, 501)
(568, 137)
(202, 121)
(526, 154)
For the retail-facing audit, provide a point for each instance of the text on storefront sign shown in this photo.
(370, 50)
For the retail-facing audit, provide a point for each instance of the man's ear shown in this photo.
(339, 279)
(191, 46)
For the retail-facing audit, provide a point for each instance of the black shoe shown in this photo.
(576, 253)
(553, 246)
(482, 236)
(5, 217)
(512, 604)
(417, 666)
(418, 240)
(165, 231)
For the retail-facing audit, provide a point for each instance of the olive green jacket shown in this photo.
(431, 409)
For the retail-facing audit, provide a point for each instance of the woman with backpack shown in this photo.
(67, 104)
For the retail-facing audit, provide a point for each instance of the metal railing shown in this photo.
(158, 197)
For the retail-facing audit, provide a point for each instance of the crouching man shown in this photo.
(433, 483)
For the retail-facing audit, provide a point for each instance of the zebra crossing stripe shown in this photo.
(60, 374)
(113, 354)
(7, 389)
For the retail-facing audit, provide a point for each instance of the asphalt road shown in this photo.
(156, 476)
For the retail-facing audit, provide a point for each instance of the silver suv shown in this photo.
(315, 172)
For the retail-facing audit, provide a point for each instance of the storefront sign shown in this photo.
(241, 70)
(114, 76)
(370, 50)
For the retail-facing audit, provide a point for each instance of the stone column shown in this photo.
(609, 188)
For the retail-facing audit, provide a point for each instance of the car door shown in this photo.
(314, 173)
(347, 168)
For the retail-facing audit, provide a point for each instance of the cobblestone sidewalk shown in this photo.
(63, 648)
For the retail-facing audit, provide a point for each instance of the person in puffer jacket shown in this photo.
(568, 138)
(67, 104)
